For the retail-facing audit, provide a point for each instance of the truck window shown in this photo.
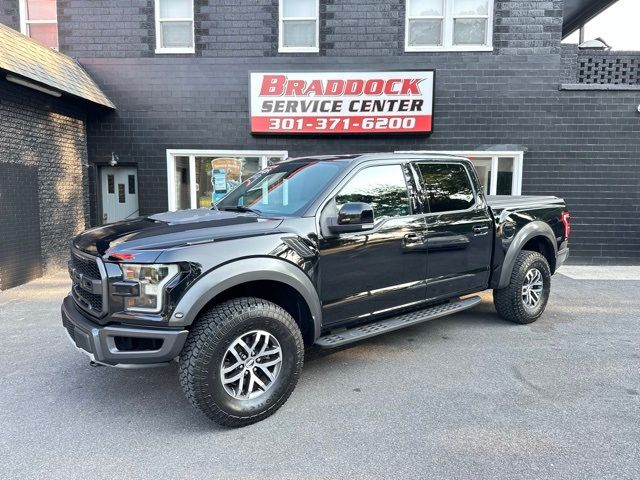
(285, 188)
(447, 186)
(383, 187)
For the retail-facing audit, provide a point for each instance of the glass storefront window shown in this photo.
(182, 183)
(217, 176)
(505, 176)
(499, 172)
(197, 179)
(483, 168)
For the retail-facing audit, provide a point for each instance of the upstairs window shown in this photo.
(174, 26)
(39, 20)
(298, 26)
(433, 25)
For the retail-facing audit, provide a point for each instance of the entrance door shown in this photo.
(119, 193)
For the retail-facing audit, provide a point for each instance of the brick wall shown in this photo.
(228, 28)
(41, 131)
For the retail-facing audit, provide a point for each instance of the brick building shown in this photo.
(45, 100)
(538, 117)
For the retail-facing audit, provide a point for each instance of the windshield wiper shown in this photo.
(239, 208)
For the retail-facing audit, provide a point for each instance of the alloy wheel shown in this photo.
(532, 288)
(251, 365)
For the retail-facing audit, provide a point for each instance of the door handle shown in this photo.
(412, 238)
(480, 229)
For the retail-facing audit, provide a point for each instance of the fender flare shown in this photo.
(534, 229)
(242, 271)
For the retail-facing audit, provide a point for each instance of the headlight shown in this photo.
(151, 280)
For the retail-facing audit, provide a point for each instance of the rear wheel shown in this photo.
(241, 361)
(526, 296)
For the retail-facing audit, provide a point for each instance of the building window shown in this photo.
(39, 20)
(299, 26)
(500, 173)
(197, 178)
(174, 26)
(434, 25)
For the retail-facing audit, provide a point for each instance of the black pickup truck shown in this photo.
(320, 250)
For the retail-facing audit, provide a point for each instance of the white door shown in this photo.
(119, 193)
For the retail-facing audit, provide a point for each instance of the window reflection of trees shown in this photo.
(447, 186)
(388, 199)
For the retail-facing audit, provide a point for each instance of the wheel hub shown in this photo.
(532, 288)
(251, 365)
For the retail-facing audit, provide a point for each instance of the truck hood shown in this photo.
(170, 230)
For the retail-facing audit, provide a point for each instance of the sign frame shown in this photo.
(295, 134)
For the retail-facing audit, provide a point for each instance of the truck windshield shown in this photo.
(284, 189)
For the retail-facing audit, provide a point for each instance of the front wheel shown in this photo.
(526, 296)
(241, 361)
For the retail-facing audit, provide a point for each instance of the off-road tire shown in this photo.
(207, 343)
(508, 301)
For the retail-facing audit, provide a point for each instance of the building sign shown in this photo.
(342, 102)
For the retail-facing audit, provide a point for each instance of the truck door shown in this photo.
(459, 230)
(379, 270)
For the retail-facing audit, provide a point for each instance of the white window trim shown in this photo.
(447, 31)
(517, 155)
(192, 154)
(282, 19)
(24, 23)
(163, 50)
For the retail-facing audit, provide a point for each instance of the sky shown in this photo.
(618, 25)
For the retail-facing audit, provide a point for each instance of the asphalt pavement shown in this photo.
(466, 396)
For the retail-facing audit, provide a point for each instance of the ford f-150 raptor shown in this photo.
(322, 250)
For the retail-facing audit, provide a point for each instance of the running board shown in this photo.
(369, 330)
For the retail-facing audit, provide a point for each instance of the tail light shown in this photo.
(566, 221)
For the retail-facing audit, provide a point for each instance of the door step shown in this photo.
(369, 330)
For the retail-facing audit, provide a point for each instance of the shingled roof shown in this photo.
(22, 56)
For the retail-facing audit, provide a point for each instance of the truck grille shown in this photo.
(90, 301)
(87, 267)
(87, 289)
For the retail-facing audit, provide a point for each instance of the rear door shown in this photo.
(459, 237)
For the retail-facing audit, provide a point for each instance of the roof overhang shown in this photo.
(31, 64)
(578, 12)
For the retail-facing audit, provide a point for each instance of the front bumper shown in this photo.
(121, 346)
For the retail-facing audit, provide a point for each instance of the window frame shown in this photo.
(282, 19)
(25, 22)
(158, 23)
(448, 19)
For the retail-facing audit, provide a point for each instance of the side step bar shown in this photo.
(369, 330)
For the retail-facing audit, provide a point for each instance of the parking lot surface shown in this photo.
(466, 396)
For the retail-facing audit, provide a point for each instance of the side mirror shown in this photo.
(352, 217)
